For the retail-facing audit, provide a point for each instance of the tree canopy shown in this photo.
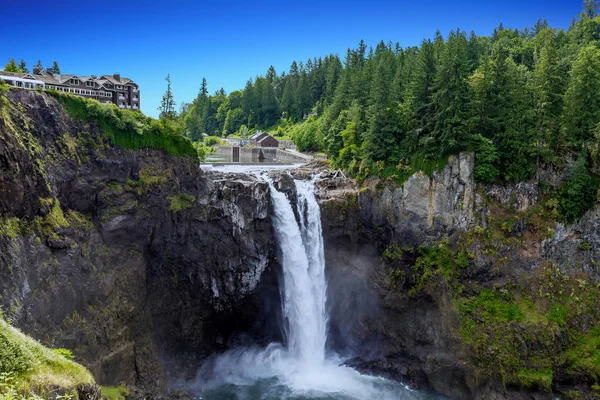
(520, 99)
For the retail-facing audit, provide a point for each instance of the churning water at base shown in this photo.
(300, 370)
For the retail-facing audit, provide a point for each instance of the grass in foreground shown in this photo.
(27, 367)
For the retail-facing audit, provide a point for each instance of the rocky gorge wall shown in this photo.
(456, 287)
(136, 260)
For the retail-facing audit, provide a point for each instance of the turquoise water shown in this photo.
(272, 389)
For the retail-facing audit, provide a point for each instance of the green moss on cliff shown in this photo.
(114, 392)
(181, 202)
(525, 333)
(52, 220)
(584, 355)
(400, 173)
(344, 205)
(10, 227)
(127, 129)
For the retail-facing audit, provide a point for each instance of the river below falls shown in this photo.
(274, 389)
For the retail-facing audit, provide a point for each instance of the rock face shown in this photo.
(576, 246)
(137, 260)
(415, 336)
(389, 333)
(424, 205)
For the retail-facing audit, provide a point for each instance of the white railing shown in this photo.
(135, 107)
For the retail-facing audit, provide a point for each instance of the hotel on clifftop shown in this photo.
(123, 92)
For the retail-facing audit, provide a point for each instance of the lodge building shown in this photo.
(123, 92)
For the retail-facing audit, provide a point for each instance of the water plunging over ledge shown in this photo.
(302, 369)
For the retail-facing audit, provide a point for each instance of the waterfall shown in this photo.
(303, 260)
(301, 367)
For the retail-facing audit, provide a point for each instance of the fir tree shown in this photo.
(23, 67)
(167, 105)
(582, 102)
(451, 99)
(548, 91)
(55, 68)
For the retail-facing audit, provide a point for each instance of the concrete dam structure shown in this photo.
(230, 154)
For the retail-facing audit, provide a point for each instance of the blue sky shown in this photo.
(230, 41)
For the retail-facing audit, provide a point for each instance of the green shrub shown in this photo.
(212, 141)
(485, 157)
(66, 353)
(306, 135)
(128, 129)
(579, 193)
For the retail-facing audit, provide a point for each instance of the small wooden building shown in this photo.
(263, 139)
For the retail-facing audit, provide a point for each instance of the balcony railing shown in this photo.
(135, 91)
(134, 107)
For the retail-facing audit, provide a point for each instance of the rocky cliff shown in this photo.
(479, 292)
(133, 259)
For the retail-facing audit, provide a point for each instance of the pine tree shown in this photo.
(269, 105)
(287, 100)
(451, 99)
(548, 91)
(332, 77)
(582, 100)
(590, 9)
(249, 103)
(11, 66)
(203, 88)
(167, 105)
(420, 89)
(579, 193)
(501, 112)
(55, 68)
(23, 67)
(271, 75)
(302, 104)
(39, 65)
(380, 138)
